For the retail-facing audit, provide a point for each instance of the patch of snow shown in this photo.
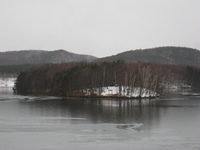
(185, 86)
(7, 82)
(130, 92)
(173, 88)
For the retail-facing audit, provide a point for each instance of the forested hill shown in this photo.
(41, 57)
(160, 55)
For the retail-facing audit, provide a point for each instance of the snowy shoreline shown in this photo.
(7, 82)
(115, 92)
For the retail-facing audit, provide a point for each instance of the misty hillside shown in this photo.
(161, 55)
(41, 57)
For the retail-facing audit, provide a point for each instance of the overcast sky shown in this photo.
(98, 27)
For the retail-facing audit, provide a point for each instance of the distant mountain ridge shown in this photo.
(160, 55)
(41, 56)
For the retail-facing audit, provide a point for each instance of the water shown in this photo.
(52, 123)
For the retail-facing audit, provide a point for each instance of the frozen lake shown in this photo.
(50, 123)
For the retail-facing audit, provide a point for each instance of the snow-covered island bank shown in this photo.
(116, 92)
(7, 82)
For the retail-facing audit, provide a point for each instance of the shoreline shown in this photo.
(115, 96)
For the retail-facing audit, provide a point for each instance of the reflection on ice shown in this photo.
(128, 103)
(130, 126)
(21, 98)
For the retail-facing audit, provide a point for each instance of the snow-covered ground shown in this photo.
(7, 82)
(116, 91)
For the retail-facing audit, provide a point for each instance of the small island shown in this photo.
(116, 79)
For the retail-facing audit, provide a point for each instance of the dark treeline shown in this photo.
(16, 69)
(192, 76)
(65, 79)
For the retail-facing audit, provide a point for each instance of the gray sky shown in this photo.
(98, 27)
